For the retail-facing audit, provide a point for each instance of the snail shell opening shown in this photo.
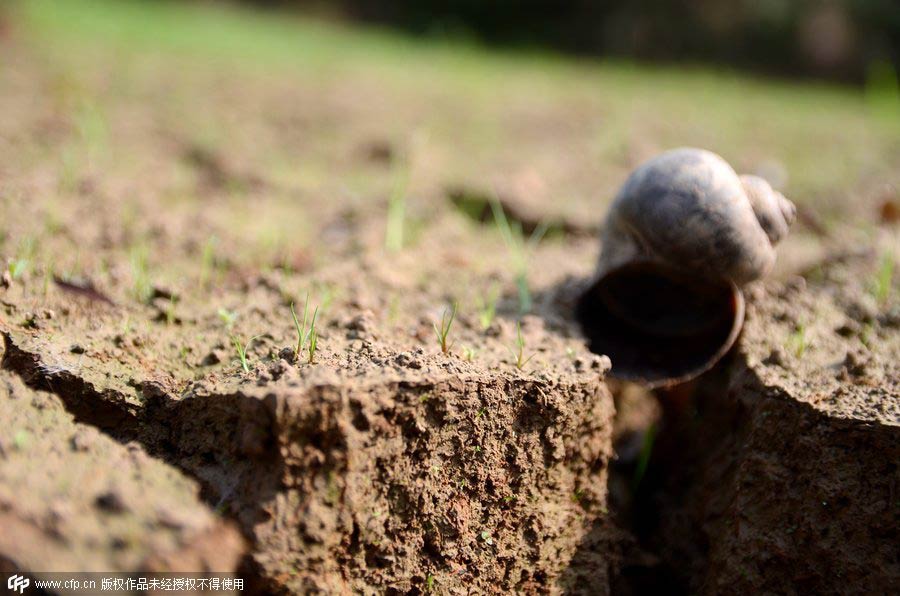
(658, 327)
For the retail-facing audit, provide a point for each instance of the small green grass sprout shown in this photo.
(520, 250)
(881, 287)
(21, 439)
(242, 350)
(140, 275)
(171, 319)
(444, 330)
(228, 317)
(207, 262)
(306, 336)
(17, 268)
(396, 213)
(518, 352)
(20, 265)
(866, 335)
(644, 458)
(487, 306)
(313, 342)
(797, 342)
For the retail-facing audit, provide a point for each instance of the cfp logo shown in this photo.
(17, 583)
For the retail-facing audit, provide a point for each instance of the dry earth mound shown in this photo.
(376, 469)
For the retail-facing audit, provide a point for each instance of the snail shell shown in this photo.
(684, 233)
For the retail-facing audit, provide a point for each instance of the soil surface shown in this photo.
(145, 237)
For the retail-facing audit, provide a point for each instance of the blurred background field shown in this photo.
(292, 97)
(192, 133)
(838, 39)
(167, 103)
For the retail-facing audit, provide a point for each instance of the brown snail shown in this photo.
(681, 238)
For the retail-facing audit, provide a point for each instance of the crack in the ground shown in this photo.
(167, 429)
(223, 441)
(741, 475)
(106, 410)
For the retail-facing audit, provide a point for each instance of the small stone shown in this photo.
(77, 349)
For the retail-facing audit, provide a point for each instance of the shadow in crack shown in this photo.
(665, 441)
(654, 488)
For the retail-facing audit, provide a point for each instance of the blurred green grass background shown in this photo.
(580, 124)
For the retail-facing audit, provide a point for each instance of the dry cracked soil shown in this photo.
(137, 254)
